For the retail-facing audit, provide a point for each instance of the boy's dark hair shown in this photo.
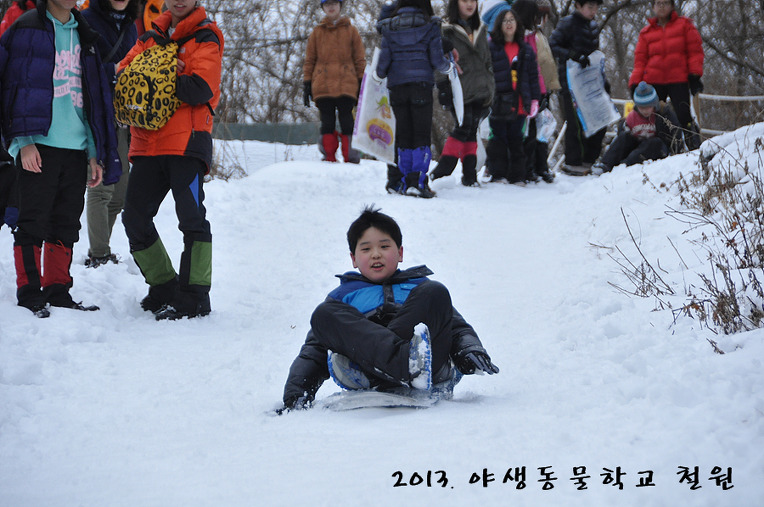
(423, 5)
(497, 35)
(453, 17)
(598, 2)
(371, 217)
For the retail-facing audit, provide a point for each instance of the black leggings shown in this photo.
(680, 100)
(474, 112)
(343, 106)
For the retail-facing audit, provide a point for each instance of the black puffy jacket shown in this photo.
(574, 35)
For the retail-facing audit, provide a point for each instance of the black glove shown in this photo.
(445, 95)
(307, 93)
(696, 86)
(607, 87)
(544, 102)
(632, 88)
(582, 59)
(447, 45)
(295, 403)
(476, 360)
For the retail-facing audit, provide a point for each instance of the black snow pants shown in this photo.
(383, 352)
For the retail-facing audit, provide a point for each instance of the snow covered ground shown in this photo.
(111, 408)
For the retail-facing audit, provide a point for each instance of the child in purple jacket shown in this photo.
(411, 50)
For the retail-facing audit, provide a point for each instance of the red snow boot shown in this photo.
(348, 153)
(28, 284)
(56, 280)
(329, 145)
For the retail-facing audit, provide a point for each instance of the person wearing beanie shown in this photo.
(669, 56)
(650, 132)
(575, 38)
(114, 20)
(332, 73)
(468, 36)
(490, 10)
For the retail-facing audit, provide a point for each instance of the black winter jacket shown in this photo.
(475, 61)
(527, 76)
(103, 23)
(575, 35)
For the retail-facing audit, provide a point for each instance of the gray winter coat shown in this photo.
(475, 62)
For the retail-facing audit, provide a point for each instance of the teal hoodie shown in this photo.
(69, 128)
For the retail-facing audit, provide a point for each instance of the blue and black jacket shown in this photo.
(379, 302)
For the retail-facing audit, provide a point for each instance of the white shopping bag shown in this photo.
(594, 106)
(545, 125)
(374, 129)
(456, 92)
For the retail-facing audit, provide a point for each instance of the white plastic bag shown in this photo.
(545, 126)
(456, 92)
(594, 106)
(374, 128)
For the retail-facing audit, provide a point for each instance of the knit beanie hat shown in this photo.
(490, 10)
(645, 95)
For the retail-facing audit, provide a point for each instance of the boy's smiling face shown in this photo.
(376, 255)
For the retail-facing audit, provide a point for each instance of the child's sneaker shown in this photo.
(345, 373)
(420, 358)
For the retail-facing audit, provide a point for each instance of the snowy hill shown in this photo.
(111, 408)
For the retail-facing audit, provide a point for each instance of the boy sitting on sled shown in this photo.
(363, 335)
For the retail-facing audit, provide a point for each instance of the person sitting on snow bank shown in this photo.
(650, 132)
(364, 335)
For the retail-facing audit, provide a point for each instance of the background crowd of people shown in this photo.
(59, 126)
(508, 71)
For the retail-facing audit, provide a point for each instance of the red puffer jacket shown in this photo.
(667, 54)
(16, 9)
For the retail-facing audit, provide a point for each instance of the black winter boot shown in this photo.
(469, 174)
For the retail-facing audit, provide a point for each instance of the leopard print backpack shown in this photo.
(144, 95)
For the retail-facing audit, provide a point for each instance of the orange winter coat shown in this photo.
(335, 59)
(189, 131)
(667, 54)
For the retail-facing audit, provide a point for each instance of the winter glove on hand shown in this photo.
(448, 46)
(445, 95)
(476, 360)
(632, 88)
(534, 109)
(582, 59)
(307, 93)
(607, 87)
(544, 102)
(294, 403)
(376, 77)
(696, 86)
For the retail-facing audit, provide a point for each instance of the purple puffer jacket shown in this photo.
(27, 61)
(411, 48)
